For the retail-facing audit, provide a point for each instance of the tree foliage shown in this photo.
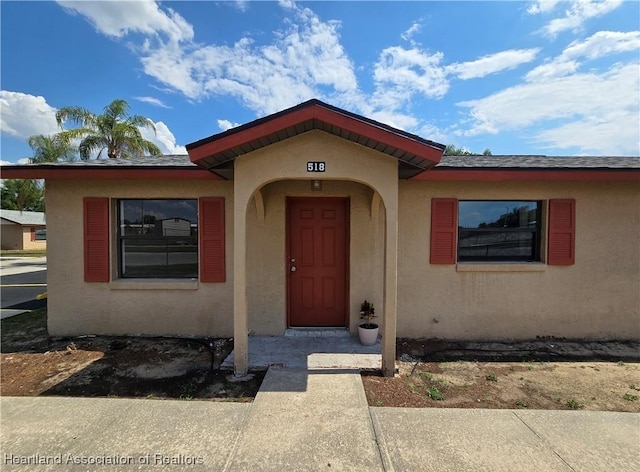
(115, 131)
(51, 148)
(22, 195)
(453, 150)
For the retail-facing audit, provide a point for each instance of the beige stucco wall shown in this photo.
(19, 238)
(193, 308)
(180, 307)
(352, 171)
(266, 252)
(598, 297)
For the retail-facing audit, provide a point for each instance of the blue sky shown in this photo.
(539, 77)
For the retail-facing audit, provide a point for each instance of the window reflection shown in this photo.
(158, 238)
(499, 231)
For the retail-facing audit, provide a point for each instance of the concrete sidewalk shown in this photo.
(306, 421)
(22, 265)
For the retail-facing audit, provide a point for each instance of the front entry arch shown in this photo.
(317, 257)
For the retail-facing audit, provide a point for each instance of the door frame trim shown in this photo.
(347, 216)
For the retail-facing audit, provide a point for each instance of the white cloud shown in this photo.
(614, 134)
(492, 63)
(402, 72)
(225, 125)
(575, 16)
(601, 44)
(25, 115)
(152, 101)
(305, 60)
(241, 5)
(163, 138)
(117, 19)
(542, 6)
(413, 29)
(606, 104)
(604, 43)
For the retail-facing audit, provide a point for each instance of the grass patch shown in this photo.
(435, 394)
(574, 404)
(25, 253)
(491, 377)
(630, 398)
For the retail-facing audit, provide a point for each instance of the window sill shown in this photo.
(154, 284)
(501, 267)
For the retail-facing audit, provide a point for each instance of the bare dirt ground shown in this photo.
(546, 373)
(32, 364)
(542, 374)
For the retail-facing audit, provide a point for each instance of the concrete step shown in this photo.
(338, 352)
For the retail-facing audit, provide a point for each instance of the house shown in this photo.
(298, 217)
(22, 230)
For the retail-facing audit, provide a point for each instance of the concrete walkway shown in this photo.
(310, 352)
(306, 420)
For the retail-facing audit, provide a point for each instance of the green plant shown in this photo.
(522, 403)
(574, 404)
(426, 375)
(367, 311)
(630, 398)
(188, 390)
(491, 377)
(435, 394)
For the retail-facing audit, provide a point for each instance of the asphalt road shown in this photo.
(21, 281)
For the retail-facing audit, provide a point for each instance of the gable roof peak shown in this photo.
(217, 152)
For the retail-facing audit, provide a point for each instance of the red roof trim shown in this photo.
(99, 173)
(314, 111)
(492, 175)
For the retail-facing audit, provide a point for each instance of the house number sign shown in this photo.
(316, 166)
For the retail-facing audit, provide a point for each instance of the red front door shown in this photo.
(317, 261)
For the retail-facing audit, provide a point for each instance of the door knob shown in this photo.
(293, 268)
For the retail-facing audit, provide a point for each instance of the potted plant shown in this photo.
(368, 331)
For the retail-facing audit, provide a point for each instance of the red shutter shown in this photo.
(96, 239)
(562, 232)
(212, 235)
(33, 234)
(444, 225)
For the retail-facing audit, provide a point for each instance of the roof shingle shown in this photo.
(25, 218)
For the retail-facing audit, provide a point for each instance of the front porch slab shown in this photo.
(309, 352)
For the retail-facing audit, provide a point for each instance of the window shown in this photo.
(499, 230)
(40, 234)
(158, 238)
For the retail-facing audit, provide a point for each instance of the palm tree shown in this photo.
(453, 150)
(114, 130)
(51, 148)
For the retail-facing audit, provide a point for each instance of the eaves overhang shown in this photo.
(504, 168)
(218, 152)
(101, 172)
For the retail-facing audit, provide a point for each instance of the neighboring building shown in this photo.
(22, 230)
(298, 217)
